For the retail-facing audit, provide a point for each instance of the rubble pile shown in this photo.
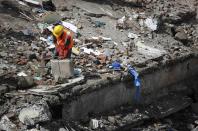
(143, 33)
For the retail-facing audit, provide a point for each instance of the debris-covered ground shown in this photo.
(143, 33)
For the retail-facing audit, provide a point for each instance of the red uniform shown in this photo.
(64, 44)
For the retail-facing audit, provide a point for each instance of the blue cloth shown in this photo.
(136, 81)
(116, 65)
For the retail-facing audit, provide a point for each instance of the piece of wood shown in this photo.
(32, 2)
(27, 17)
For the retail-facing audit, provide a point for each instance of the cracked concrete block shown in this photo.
(6, 124)
(62, 68)
(94, 124)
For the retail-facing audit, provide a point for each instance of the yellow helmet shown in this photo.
(58, 30)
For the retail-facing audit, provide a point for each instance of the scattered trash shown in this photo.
(43, 39)
(37, 78)
(89, 51)
(75, 51)
(121, 20)
(132, 35)
(101, 38)
(21, 74)
(151, 23)
(70, 26)
(99, 24)
(107, 52)
(115, 66)
(43, 26)
(67, 25)
(94, 124)
(51, 46)
(49, 42)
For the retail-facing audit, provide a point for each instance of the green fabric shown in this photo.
(67, 42)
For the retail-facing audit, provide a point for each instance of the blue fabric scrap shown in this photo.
(116, 65)
(136, 81)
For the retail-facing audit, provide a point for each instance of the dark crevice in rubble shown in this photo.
(8, 80)
(20, 35)
(56, 111)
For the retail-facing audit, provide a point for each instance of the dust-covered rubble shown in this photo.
(145, 34)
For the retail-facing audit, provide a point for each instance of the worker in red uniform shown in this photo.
(63, 42)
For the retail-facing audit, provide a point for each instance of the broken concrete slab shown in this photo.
(49, 89)
(35, 113)
(103, 93)
(51, 18)
(149, 51)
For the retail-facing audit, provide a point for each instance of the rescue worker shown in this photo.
(63, 41)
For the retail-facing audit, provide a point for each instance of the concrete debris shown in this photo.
(195, 129)
(99, 24)
(51, 18)
(94, 124)
(148, 50)
(159, 37)
(98, 39)
(63, 129)
(121, 23)
(132, 36)
(3, 89)
(25, 82)
(181, 36)
(48, 89)
(33, 130)
(62, 69)
(35, 114)
(151, 24)
(7, 125)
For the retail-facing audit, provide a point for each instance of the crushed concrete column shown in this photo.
(62, 68)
